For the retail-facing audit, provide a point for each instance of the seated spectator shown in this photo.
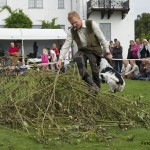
(146, 68)
(134, 70)
(126, 67)
(142, 68)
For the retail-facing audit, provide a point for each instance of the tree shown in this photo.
(50, 25)
(17, 19)
(142, 26)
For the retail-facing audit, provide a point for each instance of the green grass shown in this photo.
(12, 140)
(134, 89)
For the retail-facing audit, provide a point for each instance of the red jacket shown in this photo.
(56, 51)
(12, 50)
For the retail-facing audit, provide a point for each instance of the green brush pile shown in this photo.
(60, 104)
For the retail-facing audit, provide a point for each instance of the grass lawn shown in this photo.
(134, 89)
(13, 140)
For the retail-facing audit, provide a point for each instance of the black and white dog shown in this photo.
(111, 77)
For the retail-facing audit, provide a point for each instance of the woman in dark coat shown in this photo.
(117, 54)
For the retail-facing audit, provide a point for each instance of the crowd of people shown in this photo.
(137, 64)
(49, 57)
(92, 44)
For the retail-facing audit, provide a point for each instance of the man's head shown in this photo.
(12, 44)
(54, 46)
(74, 19)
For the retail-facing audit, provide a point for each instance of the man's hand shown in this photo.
(58, 65)
(109, 56)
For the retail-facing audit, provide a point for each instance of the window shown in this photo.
(2, 26)
(36, 26)
(35, 3)
(62, 27)
(3, 3)
(106, 29)
(61, 4)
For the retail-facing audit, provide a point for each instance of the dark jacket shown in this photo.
(117, 52)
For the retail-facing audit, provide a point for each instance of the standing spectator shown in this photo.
(45, 59)
(117, 54)
(35, 49)
(135, 50)
(55, 49)
(130, 50)
(115, 40)
(53, 60)
(14, 53)
(144, 50)
(111, 46)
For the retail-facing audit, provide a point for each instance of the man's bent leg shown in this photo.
(80, 58)
(95, 69)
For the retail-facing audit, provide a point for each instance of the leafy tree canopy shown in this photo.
(142, 26)
(50, 25)
(17, 19)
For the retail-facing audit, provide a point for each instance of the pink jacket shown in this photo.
(135, 51)
(44, 58)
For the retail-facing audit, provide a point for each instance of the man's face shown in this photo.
(12, 45)
(76, 22)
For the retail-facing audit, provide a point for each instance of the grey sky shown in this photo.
(141, 6)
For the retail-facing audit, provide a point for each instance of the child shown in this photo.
(45, 59)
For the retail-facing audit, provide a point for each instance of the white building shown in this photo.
(115, 17)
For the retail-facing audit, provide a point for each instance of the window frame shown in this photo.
(107, 38)
(59, 4)
(4, 4)
(35, 4)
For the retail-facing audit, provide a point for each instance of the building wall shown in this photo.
(122, 29)
(50, 10)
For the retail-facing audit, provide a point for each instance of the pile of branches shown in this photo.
(62, 104)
